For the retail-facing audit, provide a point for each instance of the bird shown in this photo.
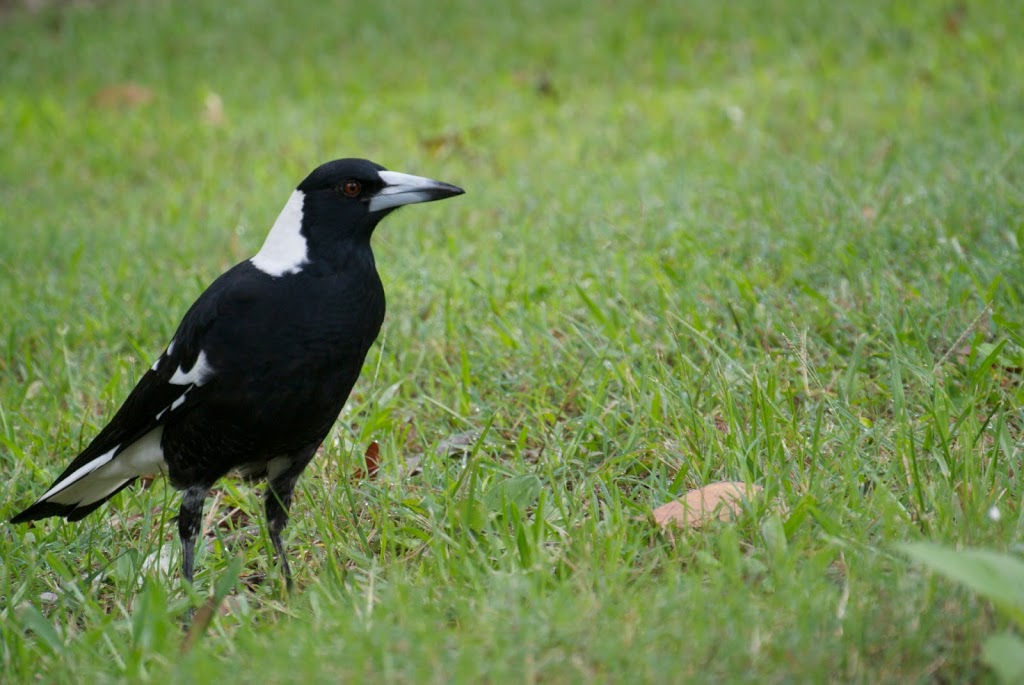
(260, 366)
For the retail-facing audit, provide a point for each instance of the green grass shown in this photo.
(767, 241)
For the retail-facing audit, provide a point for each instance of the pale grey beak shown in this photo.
(405, 189)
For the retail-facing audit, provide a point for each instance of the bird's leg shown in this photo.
(278, 500)
(190, 520)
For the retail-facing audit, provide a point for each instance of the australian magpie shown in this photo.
(262, 363)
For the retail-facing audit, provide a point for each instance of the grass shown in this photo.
(774, 242)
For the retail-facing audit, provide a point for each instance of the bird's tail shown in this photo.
(45, 508)
(91, 480)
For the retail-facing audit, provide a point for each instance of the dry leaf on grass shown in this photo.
(372, 459)
(126, 95)
(443, 142)
(697, 507)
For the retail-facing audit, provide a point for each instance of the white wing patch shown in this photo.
(284, 251)
(197, 375)
(80, 473)
(165, 355)
(200, 372)
(180, 401)
(109, 471)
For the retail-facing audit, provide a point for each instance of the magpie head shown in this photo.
(339, 205)
(365, 192)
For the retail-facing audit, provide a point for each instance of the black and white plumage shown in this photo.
(261, 365)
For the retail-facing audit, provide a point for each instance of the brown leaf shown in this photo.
(954, 18)
(126, 95)
(720, 501)
(443, 142)
(372, 459)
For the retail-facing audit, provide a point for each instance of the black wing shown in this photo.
(176, 384)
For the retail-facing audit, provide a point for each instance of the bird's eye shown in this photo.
(352, 188)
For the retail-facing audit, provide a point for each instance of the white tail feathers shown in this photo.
(109, 471)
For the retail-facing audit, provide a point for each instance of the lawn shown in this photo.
(762, 241)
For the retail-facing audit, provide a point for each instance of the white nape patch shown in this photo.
(284, 250)
(107, 473)
(402, 189)
(170, 348)
(197, 375)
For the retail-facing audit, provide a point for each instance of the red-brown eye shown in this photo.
(351, 188)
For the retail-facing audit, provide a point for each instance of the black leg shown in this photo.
(190, 520)
(278, 500)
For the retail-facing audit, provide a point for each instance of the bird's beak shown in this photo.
(404, 189)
